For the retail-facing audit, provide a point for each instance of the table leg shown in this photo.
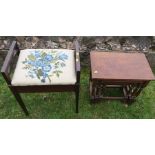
(130, 91)
(133, 90)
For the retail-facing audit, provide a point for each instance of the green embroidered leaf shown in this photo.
(49, 78)
(40, 73)
(56, 66)
(53, 61)
(57, 63)
(59, 71)
(25, 68)
(57, 74)
(53, 52)
(38, 76)
(24, 62)
(31, 57)
(63, 64)
(43, 54)
(54, 72)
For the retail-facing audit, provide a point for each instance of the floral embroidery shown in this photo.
(44, 65)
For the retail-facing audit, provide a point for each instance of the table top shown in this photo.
(120, 66)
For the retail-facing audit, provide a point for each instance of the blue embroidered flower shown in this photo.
(31, 74)
(43, 80)
(63, 56)
(37, 54)
(39, 63)
(43, 65)
(31, 63)
(46, 68)
(45, 75)
(48, 57)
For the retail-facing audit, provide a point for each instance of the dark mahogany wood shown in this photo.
(120, 66)
(16, 90)
(44, 88)
(77, 68)
(8, 61)
(128, 71)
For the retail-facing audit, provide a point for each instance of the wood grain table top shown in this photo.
(120, 66)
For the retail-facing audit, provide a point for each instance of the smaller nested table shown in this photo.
(128, 72)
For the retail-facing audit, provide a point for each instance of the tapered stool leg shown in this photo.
(21, 103)
(77, 98)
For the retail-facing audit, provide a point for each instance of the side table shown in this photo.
(130, 72)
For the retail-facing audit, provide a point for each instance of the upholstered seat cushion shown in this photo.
(45, 67)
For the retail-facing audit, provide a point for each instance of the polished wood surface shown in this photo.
(120, 66)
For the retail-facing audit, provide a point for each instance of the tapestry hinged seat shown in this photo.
(45, 67)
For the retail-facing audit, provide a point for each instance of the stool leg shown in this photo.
(21, 103)
(77, 98)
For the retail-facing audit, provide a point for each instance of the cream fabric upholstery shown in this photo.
(45, 67)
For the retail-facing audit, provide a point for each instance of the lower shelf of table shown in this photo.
(128, 91)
